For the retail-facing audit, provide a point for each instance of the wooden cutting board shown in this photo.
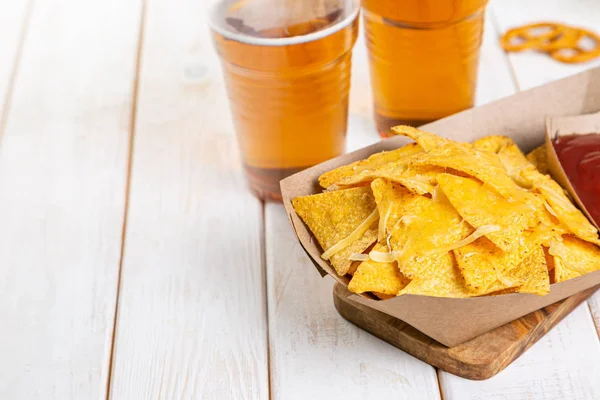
(479, 358)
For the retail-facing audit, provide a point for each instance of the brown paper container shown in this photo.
(522, 117)
(572, 125)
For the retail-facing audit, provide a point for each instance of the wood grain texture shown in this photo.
(191, 318)
(562, 365)
(62, 189)
(315, 354)
(479, 358)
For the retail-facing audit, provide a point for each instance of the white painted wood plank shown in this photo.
(13, 24)
(566, 362)
(495, 79)
(192, 317)
(563, 365)
(532, 68)
(309, 341)
(315, 353)
(62, 197)
(594, 303)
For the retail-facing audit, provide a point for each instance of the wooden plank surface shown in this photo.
(315, 353)
(62, 189)
(192, 316)
(532, 68)
(14, 17)
(562, 364)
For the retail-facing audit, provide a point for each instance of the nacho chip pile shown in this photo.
(448, 219)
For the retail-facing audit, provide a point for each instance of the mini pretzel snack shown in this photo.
(562, 42)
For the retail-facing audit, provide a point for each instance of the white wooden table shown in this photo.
(135, 264)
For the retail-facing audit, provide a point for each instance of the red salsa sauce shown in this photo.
(579, 156)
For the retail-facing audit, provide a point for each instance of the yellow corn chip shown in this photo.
(335, 176)
(333, 216)
(419, 180)
(492, 143)
(514, 161)
(482, 165)
(390, 199)
(416, 227)
(479, 206)
(560, 205)
(539, 159)
(574, 257)
(532, 273)
(484, 266)
(441, 278)
(372, 276)
(428, 141)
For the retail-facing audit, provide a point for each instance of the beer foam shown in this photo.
(218, 24)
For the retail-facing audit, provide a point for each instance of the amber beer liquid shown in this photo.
(287, 83)
(423, 57)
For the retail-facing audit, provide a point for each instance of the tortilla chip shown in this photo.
(479, 205)
(532, 273)
(427, 141)
(333, 216)
(550, 264)
(514, 161)
(390, 199)
(561, 206)
(574, 257)
(335, 176)
(482, 263)
(372, 276)
(441, 278)
(539, 158)
(493, 143)
(419, 180)
(353, 267)
(416, 227)
(482, 165)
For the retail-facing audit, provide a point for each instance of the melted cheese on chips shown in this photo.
(447, 219)
(334, 177)
(482, 165)
(378, 277)
(569, 215)
(479, 205)
(441, 278)
(493, 144)
(513, 161)
(427, 141)
(539, 158)
(573, 257)
(333, 216)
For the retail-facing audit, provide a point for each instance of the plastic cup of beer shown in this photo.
(423, 57)
(286, 65)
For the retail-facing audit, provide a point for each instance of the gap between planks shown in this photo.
(15, 67)
(263, 261)
(132, 126)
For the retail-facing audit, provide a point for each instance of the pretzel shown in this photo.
(561, 42)
(529, 40)
(578, 54)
